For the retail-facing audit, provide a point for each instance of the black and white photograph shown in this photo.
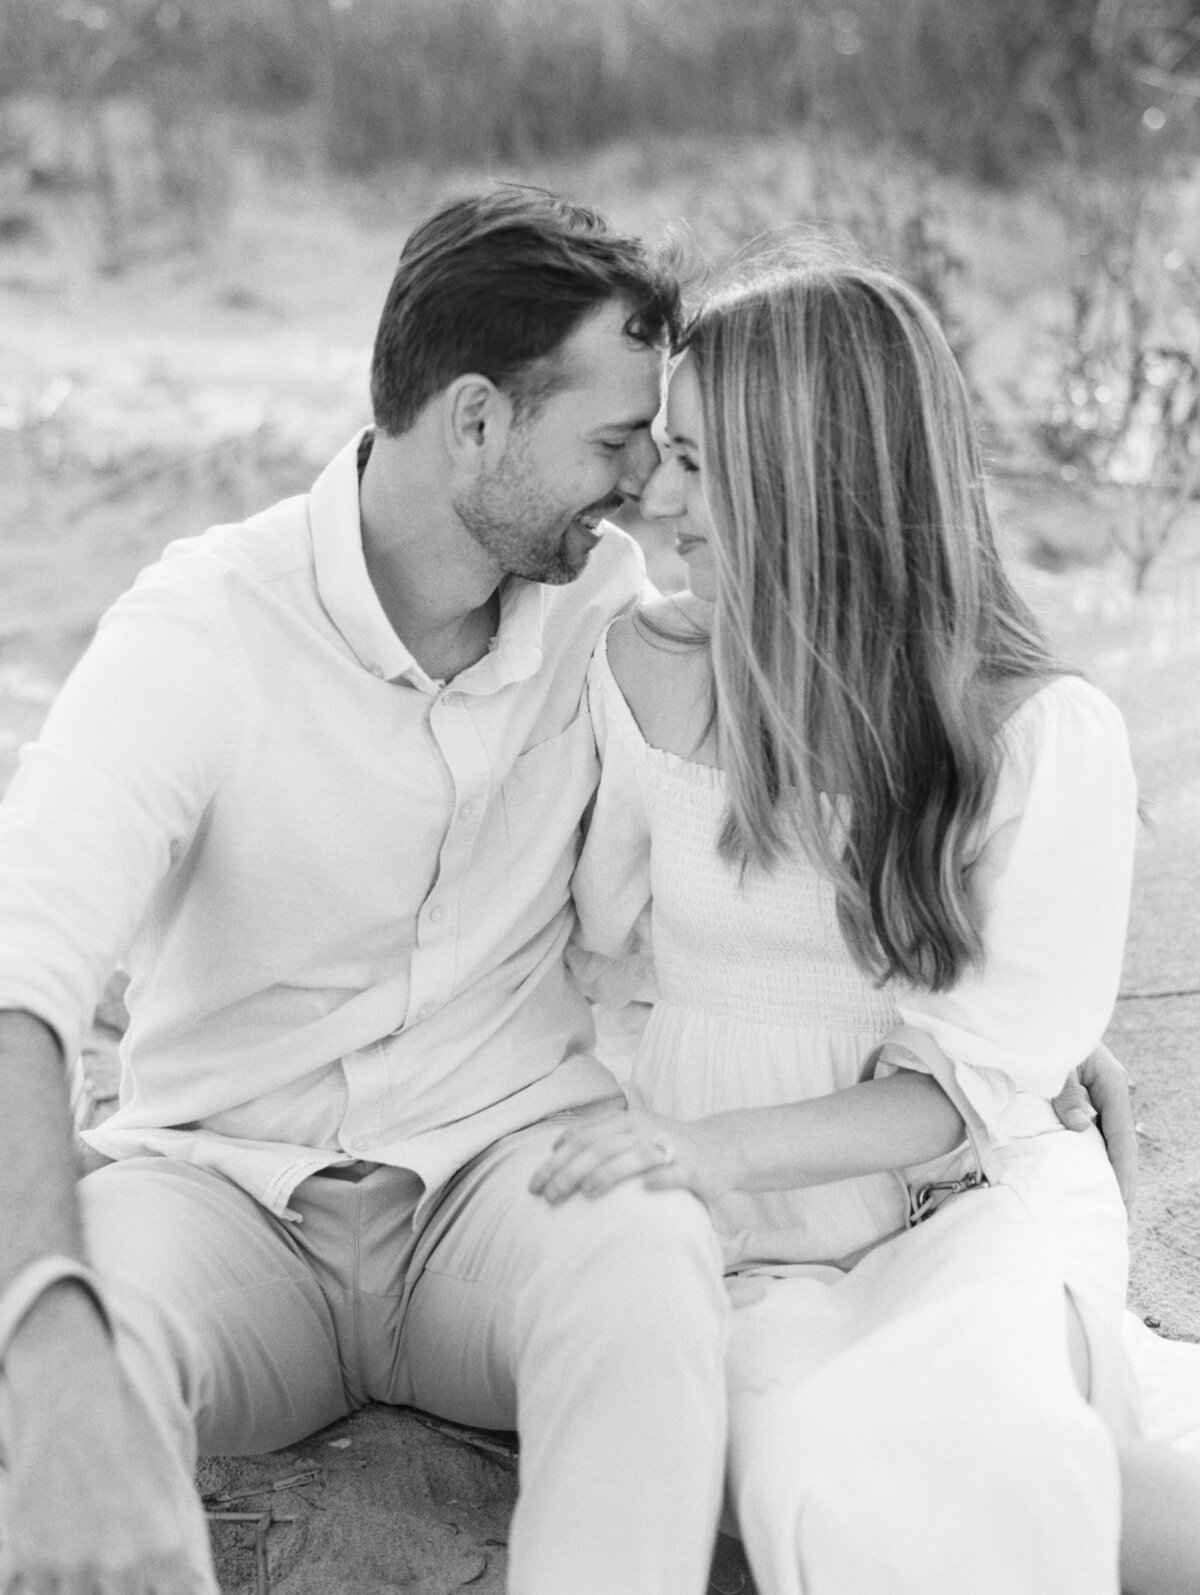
(599, 797)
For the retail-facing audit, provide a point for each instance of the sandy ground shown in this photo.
(141, 408)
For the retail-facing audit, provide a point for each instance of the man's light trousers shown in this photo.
(596, 1328)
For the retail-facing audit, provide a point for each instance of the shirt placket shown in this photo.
(454, 722)
(376, 1097)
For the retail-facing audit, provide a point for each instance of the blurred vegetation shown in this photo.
(125, 125)
(986, 87)
(1125, 409)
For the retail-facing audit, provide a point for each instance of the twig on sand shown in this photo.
(262, 1573)
(249, 1517)
(1156, 996)
(289, 1483)
(262, 1522)
(490, 1444)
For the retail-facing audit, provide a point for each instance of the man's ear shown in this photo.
(477, 422)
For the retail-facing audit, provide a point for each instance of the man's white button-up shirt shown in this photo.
(341, 890)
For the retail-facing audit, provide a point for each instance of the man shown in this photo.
(318, 781)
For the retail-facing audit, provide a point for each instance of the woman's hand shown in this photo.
(667, 1154)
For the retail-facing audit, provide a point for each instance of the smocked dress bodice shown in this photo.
(734, 946)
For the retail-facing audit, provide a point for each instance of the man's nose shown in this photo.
(641, 462)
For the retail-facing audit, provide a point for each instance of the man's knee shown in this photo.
(137, 1214)
(633, 1263)
(212, 1304)
(144, 1221)
(625, 1228)
(629, 1227)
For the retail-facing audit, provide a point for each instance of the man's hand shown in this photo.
(97, 1503)
(667, 1154)
(1098, 1091)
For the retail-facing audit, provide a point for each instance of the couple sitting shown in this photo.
(319, 782)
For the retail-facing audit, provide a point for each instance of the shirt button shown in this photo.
(466, 811)
(452, 699)
(424, 1010)
(376, 670)
(437, 914)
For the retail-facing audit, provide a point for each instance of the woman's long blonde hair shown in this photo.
(866, 641)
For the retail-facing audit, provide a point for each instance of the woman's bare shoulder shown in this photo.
(661, 639)
(660, 661)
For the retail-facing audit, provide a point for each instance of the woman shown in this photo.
(886, 843)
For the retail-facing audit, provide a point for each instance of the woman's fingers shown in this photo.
(594, 1170)
(628, 1165)
(573, 1159)
(670, 1177)
(594, 1159)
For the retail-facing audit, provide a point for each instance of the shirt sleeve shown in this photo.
(1051, 887)
(107, 799)
(610, 950)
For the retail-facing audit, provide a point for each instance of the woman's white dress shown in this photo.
(904, 1415)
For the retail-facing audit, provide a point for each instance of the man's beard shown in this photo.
(508, 543)
(512, 521)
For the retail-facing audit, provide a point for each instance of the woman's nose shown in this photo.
(661, 498)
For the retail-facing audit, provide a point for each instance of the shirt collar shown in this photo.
(517, 652)
(352, 604)
(343, 584)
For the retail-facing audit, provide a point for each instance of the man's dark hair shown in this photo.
(496, 283)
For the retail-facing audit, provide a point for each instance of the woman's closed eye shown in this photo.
(673, 454)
